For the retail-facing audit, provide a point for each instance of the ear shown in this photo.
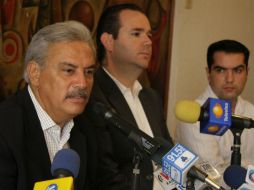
(33, 72)
(107, 41)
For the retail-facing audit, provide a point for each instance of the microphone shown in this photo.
(164, 180)
(245, 186)
(215, 116)
(156, 148)
(65, 163)
(250, 176)
(64, 167)
(144, 141)
(234, 176)
(179, 161)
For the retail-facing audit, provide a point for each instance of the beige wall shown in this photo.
(197, 23)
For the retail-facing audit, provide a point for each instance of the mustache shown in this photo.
(78, 93)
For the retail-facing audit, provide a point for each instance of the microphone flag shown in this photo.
(177, 162)
(219, 116)
(65, 183)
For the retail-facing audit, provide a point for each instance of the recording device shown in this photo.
(215, 116)
(64, 168)
(156, 148)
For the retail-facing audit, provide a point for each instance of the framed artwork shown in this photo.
(20, 19)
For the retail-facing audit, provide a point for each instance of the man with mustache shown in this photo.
(227, 71)
(44, 118)
(124, 51)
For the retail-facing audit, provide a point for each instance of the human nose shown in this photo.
(229, 76)
(82, 80)
(148, 41)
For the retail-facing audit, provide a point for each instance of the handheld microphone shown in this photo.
(156, 148)
(64, 167)
(234, 176)
(215, 116)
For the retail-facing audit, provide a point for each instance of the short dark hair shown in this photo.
(109, 22)
(228, 46)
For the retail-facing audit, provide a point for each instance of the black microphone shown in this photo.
(144, 141)
(156, 147)
(234, 176)
(240, 122)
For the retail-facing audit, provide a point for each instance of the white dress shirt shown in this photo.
(56, 137)
(217, 149)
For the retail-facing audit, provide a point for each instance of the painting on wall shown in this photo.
(20, 19)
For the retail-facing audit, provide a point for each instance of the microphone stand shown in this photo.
(236, 153)
(137, 158)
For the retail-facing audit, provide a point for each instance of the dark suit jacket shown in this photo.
(24, 157)
(116, 150)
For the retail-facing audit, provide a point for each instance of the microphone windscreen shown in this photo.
(66, 159)
(234, 176)
(187, 111)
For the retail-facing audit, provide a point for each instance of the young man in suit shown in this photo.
(124, 51)
(43, 118)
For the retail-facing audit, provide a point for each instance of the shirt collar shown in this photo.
(45, 119)
(137, 87)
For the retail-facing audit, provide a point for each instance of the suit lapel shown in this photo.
(149, 109)
(78, 143)
(36, 153)
(114, 97)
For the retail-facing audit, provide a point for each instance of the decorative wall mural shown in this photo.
(20, 19)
